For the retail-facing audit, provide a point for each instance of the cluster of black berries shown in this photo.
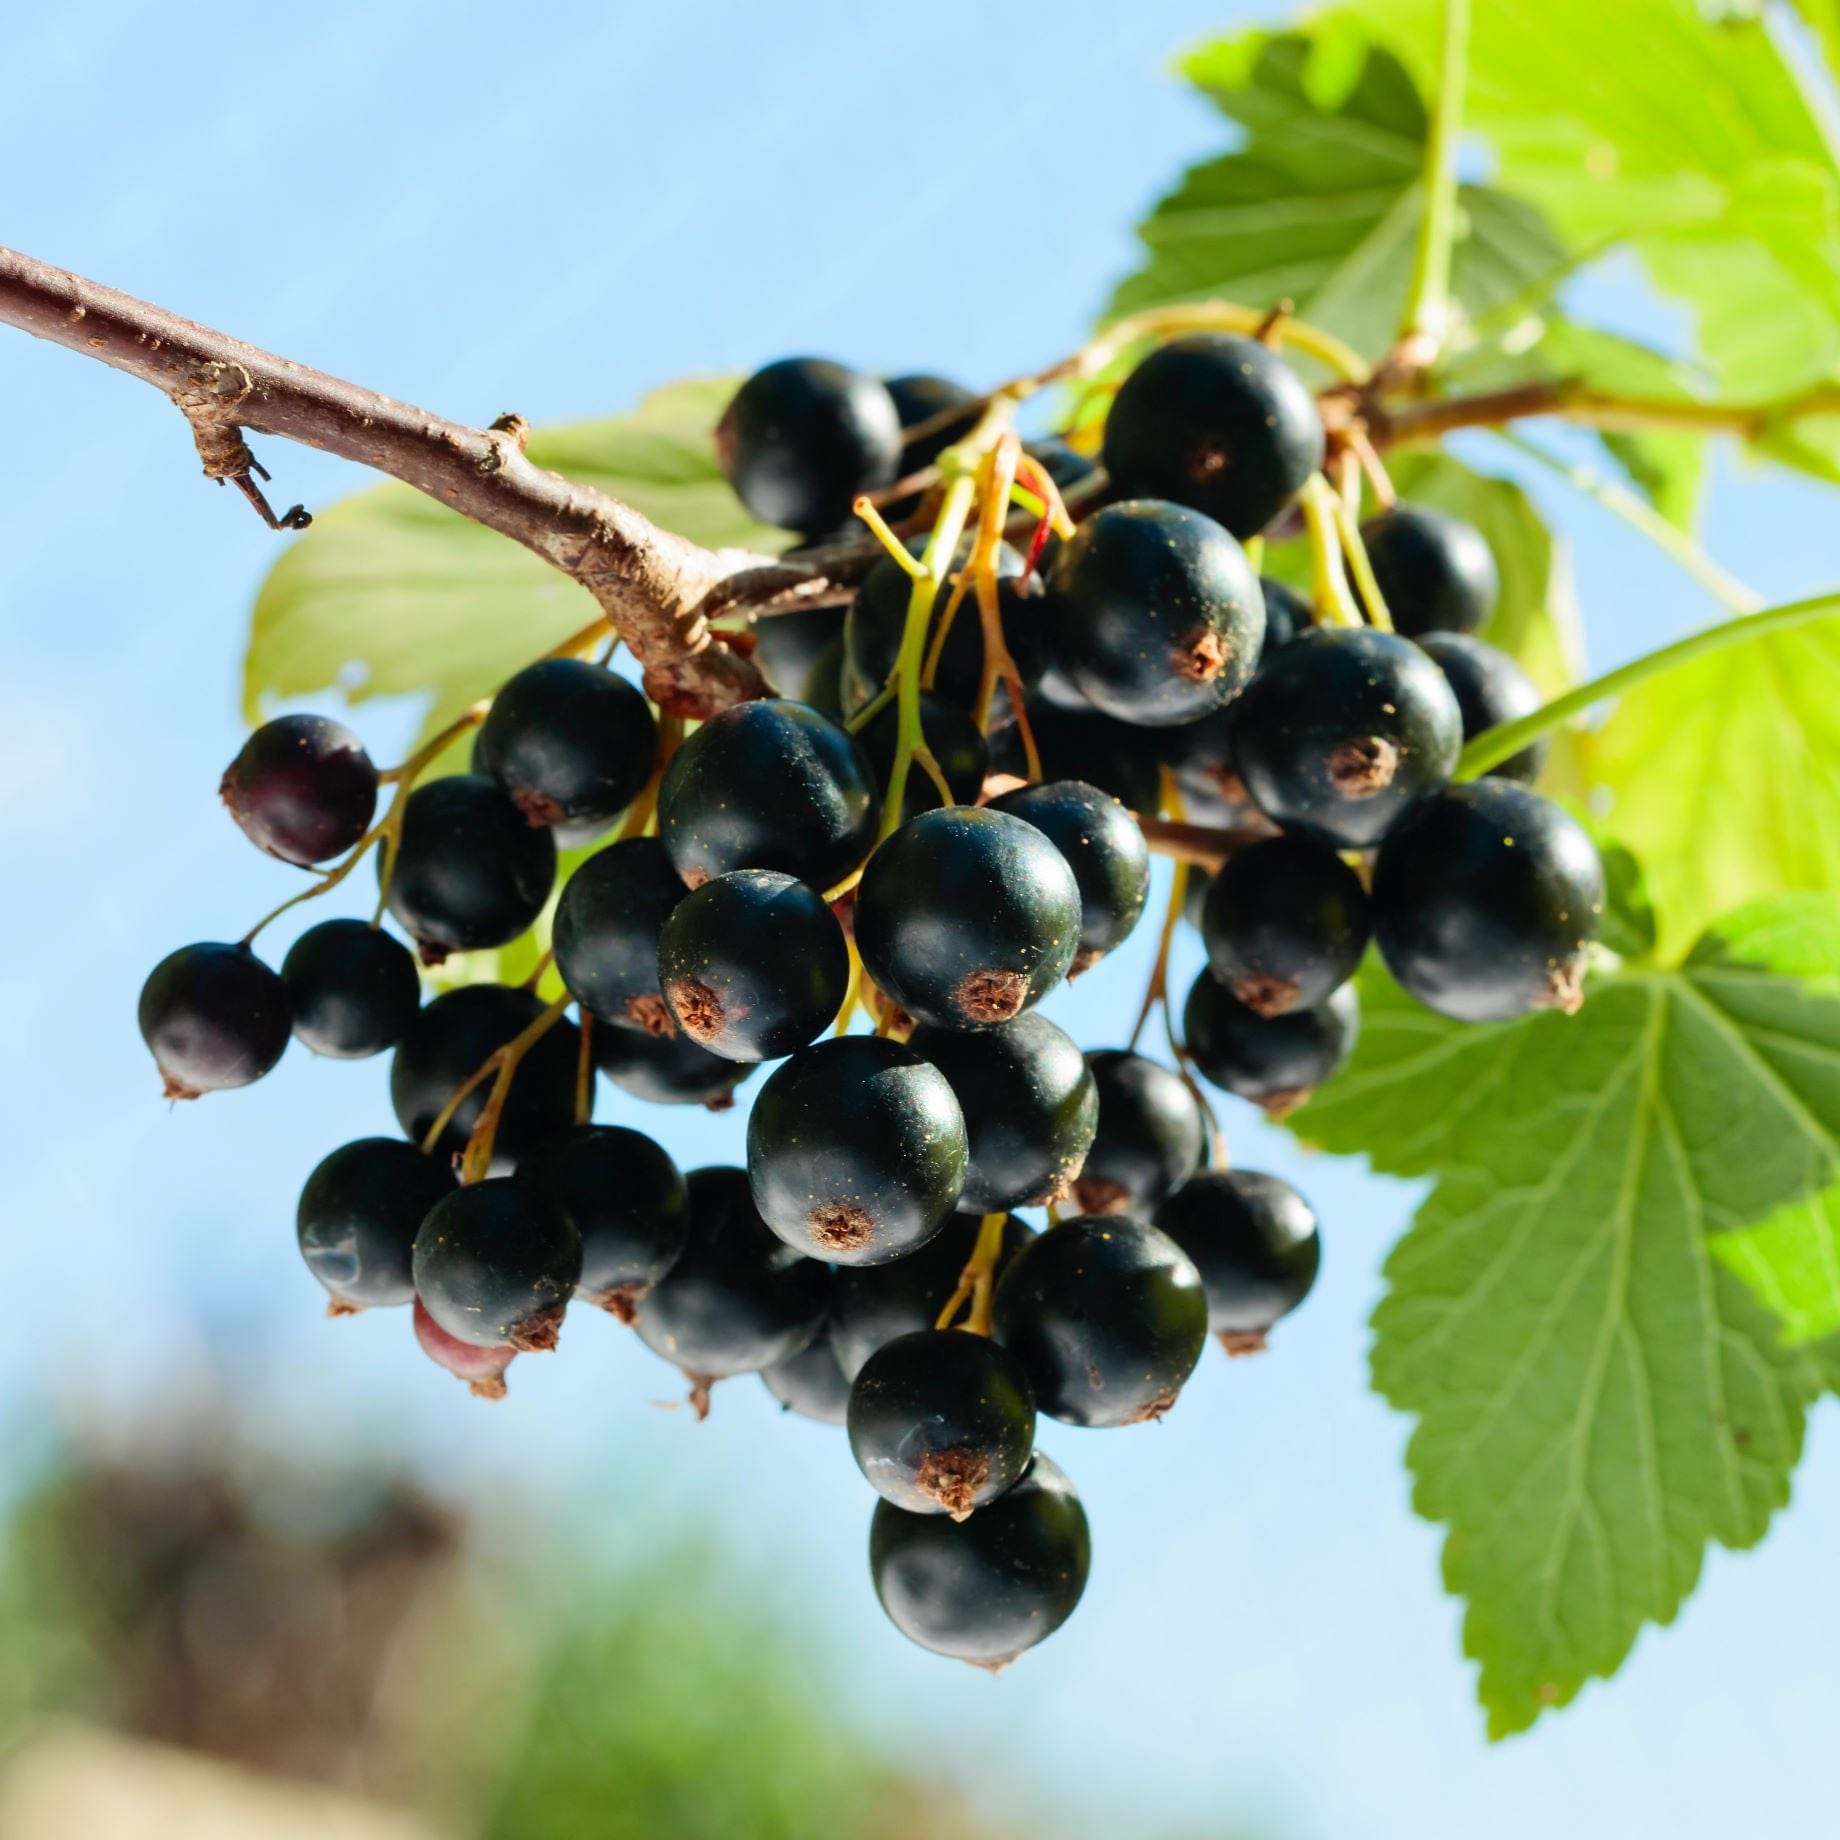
(867, 1262)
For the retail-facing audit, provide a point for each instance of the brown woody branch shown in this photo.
(655, 589)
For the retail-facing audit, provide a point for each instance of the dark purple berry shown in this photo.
(302, 788)
(358, 1217)
(1253, 1238)
(495, 1270)
(213, 1017)
(352, 988)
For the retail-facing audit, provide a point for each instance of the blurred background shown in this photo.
(263, 1574)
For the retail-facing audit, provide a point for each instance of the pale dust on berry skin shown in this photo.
(1359, 769)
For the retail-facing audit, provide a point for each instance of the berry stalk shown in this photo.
(1497, 744)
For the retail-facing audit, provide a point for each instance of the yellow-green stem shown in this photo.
(1427, 313)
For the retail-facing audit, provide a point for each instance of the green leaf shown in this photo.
(1627, 927)
(392, 594)
(1823, 20)
(1791, 1262)
(1686, 137)
(1724, 776)
(1322, 204)
(1597, 1396)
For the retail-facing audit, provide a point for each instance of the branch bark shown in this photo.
(654, 588)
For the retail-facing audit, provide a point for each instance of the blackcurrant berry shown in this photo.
(878, 618)
(1342, 731)
(302, 788)
(1150, 1138)
(872, 1304)
(1285, 924)
(572, 743)
(668, 1069)
(1030, 1109)
(358, 1217)
(1275, 1061)
(738, 1298)
(856, 1150)
(624, 1199)
(803, 436)
(471, 872)
(1486, 903)
(768, 785)
(1065, 465)
(1194, 895)
(1155, 613)
(1105, 850)
(942, 1422)
(967, 917)
(606, 932)
(451, 1038)
(492, 1268)
(753, 965)
(1085, 745)
(1287, 613)
(1436, 572)
(1200, 757)
(1490, 689)
(800, 654)
(811, 1383)
(1253, 1238)
(352, 989)
(213, 1017)
(1106, 1315)
(920, 398)
(955, 741)
(986, 1589)
(483, 1369)
(1216, 422)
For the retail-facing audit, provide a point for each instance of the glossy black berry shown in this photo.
(572, 743)
(986, 1589)
(1342, 731)
(738, 1298)
(952, 737)
(450, 1039)
(768, 785)
(1490, 689)
(967, 917)
(856, 1150)
(1155, 613)
(1275, 1061)
(942, 1422)
(1030, 1109)
(1200, 757)
(872, 1304)
(1486, 903)
(803, 436)
(753, 965)
(492, 1268)
(1150, 1138)
(921, 398)
(1085, 745)
(1435, 572)
(358, 1217)
(1104, 848)
(1216, 422)
(668, 1069)
(352, 989)
(800, 652)
(1285, 924)
(471, 872)
(606, 932)
(1106, 1315)
(483, 1369)
(624, 1199)
(1253, 1238)
(811, 1383)
(878, 618)
(1287, 613)
(302, 788)
(213, 1016)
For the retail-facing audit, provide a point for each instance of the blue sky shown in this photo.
(551, 209)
